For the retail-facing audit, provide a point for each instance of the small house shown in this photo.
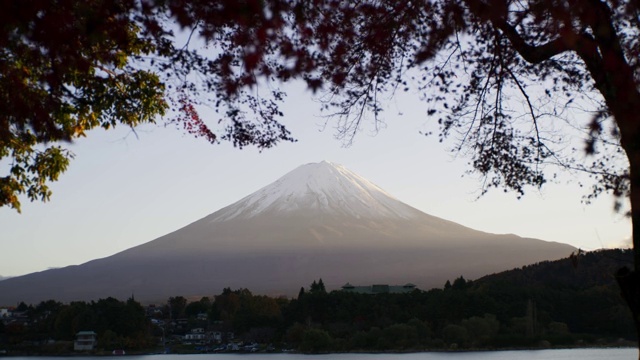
(196, 336)
(85, 341)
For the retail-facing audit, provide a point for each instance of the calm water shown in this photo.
(572, 354)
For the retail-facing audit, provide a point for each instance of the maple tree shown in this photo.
(506, 79)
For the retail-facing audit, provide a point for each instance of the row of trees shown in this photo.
(515, 308)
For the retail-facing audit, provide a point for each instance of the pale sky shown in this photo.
(121, 191)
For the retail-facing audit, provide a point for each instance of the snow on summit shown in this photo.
(319, 187)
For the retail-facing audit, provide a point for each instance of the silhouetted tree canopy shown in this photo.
(317, 287)
(70, 66)
(177, 306)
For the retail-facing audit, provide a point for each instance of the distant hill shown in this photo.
(551, 303)
(318, 221)
(586, 297)
(592, 269)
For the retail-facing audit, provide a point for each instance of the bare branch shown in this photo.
(533, 54)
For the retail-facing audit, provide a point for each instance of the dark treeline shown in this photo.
(570, 302)
(119, 324)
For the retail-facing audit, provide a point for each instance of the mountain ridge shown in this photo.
(317, 221)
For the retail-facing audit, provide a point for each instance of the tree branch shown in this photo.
(497, 15)
(532, 54)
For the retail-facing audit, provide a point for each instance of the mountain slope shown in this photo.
(319, 220)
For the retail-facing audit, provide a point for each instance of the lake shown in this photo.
(564, 354)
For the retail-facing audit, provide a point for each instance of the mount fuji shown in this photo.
(318, 221)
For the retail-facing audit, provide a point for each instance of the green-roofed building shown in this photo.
(379, 289)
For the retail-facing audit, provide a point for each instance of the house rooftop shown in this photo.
(379, 289)
(86, 333)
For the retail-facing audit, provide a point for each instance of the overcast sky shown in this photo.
(121, 191)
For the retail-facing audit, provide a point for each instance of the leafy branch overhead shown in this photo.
(119, 62)
(71, 66)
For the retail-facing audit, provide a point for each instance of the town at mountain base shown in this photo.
(565, 303)
(318, 221)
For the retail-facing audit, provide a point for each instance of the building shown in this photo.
(85, 341)
(196, 336)
(379, 289)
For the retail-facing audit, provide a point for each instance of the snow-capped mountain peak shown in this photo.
(322, 187)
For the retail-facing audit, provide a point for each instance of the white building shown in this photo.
(196, 336)
(85, 341)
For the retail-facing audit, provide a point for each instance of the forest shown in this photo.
(569, 302)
